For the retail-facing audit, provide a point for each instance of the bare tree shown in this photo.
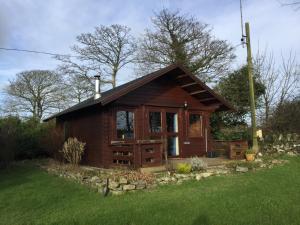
(35, 92)
(264, 66)
(281, 83)
(104, 52)
(78, 78)
(290, 78)
(182, 39)
(294, 4)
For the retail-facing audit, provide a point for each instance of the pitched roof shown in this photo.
(188, 82)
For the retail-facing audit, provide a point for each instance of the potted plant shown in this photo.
(250, 155)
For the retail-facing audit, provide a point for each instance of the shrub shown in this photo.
(183, 168)
(250, 151)
(9, 133)
(25, 139)
(73, 150)
(198, 164)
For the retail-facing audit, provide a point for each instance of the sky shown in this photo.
(53, 25)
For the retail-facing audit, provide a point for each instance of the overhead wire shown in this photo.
(36, 52)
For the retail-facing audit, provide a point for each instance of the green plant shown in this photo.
(250, 151)
(183, 168)
(73, 150)
(198, 164)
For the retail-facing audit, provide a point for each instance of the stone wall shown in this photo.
(117, 182)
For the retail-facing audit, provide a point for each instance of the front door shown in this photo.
(164, 124)
(171, 133)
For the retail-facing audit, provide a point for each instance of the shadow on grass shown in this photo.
(201, 220)
(15, 175)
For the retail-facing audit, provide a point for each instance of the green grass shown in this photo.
(31, 196)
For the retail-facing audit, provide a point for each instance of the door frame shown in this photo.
(164, 134)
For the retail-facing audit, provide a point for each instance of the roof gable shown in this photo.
(183, 77)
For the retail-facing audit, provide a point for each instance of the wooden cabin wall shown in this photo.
(86, 126)
(161, 92)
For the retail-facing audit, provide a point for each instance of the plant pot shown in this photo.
(250, 157)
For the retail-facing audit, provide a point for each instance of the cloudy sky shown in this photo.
(53, 25)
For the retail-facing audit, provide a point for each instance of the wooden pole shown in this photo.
(251, 89)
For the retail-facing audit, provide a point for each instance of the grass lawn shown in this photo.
(31, 196)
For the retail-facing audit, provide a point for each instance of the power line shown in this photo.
(36, 52)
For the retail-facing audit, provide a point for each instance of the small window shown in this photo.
(154, 122)
(125, 124)
(195, 125)
(172, 122)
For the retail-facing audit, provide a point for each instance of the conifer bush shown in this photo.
(183, 168)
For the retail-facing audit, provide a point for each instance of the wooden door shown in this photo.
(164, 124)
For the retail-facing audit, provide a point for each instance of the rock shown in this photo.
(113, 185)
(140, 186)
(258, 160)
(117, 192)
(151, 186)
(100, 184)
(218, 170)
(162, 182)
(173, 179)
(263, 165)
(198, 177)
(166, 179)
(276, 161)
(207, 174)
(241, 169)
(224, 171)
(123, 180)
(95, 179)
(128, 187)
(291, 154)
(85, 178)
(181, 175)
(259, 154)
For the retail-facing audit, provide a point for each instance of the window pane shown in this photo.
(173, 147)
(172, 124)
(155, 122)
(125, 124)
(195, 126)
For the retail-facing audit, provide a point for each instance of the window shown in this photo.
(173, 146)
(125, 124)
(154, 122)
(172, 122)
(195, 125)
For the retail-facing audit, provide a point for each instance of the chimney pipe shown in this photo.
(97, 87)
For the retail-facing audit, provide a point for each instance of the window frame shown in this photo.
(188, 124)
(114, 124)
(161, 121)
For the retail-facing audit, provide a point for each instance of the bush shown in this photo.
(25, 139)
(9, 134)
(183, 168)
(198, 164)
(73, 150)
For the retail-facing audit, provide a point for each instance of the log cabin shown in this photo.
(142, 123)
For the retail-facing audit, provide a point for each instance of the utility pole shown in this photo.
(251, 89)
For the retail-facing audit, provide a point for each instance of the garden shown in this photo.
(31, 195)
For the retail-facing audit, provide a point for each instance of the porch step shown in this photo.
(153, 169)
